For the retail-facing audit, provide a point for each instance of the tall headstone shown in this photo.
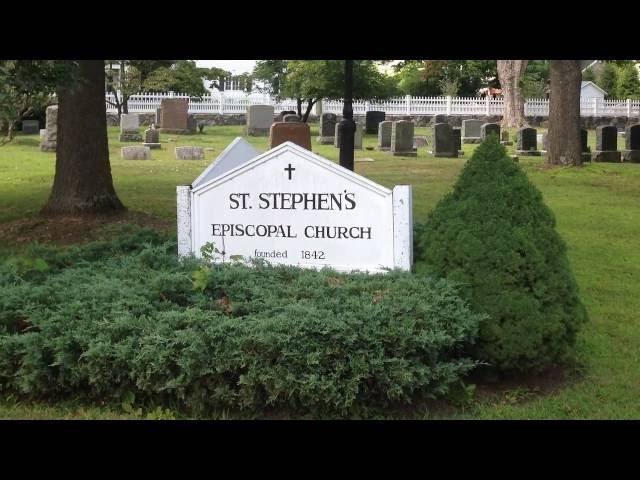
(402, 139)
(584, 146)
(489, 129)
(283, 114)
(471, 131)
(607, 145)
(357, 138)
(443, 141)
(457, 139)
(30, 127)
(631, 151)
(48, 144)
(384, 135)
(296, 132)
(152, 138)
(259, 120)
(328, 123)
(372, 120)
(528, 142)
(130, 128)
(174, 116)
(158, 117)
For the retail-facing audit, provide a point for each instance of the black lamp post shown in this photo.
(347, 127)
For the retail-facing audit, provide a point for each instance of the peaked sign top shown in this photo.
(237, 152)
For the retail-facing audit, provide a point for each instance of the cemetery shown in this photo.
(253, 276)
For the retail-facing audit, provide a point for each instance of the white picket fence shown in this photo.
(227, 104)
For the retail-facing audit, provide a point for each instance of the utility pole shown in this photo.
(347, 127)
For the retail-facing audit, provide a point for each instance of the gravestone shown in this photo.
(384, 135)
(237, 152)
(443, 141)
(457, 139)
(295, 132)
(189, 153)
(357, 139)
(291, 117)
(372, 120)
(43, 134)
(584, 147)
(129, 128)
(440, 118)
(528, 142)
(471, 131)
(174, 116)
(135, 153)
(283, 113)
(158, 117)
(489, 129)
(152, 138)
(328, 123)
(420, 142)
(607, 145)
(357, 136)
(30, 127)
(48, 144)
(504, 138)
(402, 139)
(631, 152)
(289, 206)
(259, 120)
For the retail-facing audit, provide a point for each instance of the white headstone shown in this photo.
(290, 206)
(238, 152)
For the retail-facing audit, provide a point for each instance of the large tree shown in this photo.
(510, 73)
(83, 181)
(563, 140)
(183, 77)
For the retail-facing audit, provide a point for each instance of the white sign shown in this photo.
(291, 206)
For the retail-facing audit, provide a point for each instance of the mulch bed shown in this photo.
(73, 229)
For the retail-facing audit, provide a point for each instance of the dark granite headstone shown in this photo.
(457, 139)
(443, 141)
(30, 127)
(286, 112)
(372, 119)
(584, 147)
(527, 142)
(607, 145)
(631, 152)
(471, 131)
(328, 123)
(489, 129)
(291, 117)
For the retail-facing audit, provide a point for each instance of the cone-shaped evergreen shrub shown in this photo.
(495, 235)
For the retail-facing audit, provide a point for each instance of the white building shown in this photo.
(591, 90)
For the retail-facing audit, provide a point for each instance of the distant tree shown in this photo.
(510, 73)
(608, 79)
(588, 75)
(534, 83)
(628, 83)
(18, 98)
(183, 77)
(128, 79)
(311, 80)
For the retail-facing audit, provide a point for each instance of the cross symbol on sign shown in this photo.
(289, 169)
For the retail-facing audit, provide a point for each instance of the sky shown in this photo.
(236, 67)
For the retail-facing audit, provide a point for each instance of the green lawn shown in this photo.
(598, 213)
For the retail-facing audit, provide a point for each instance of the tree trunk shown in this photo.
(310, 103)
(299, 101)
(510, 73)
(563, 138)
(83, 182)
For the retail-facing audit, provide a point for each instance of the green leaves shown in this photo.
(128, 323)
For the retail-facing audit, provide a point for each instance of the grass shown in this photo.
(597, 208)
